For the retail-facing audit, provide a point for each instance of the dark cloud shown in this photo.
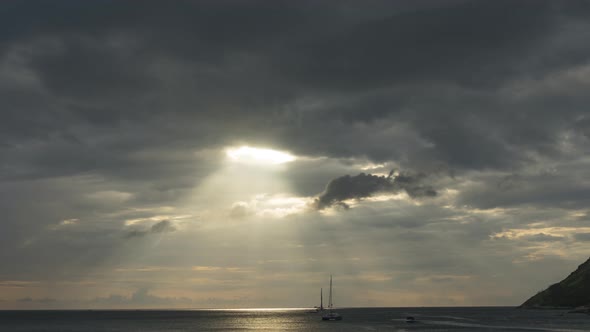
(139, 298)
(47, 300)
(347, 187)
(365, 185)
(293, 70)
(546, 187)
(401, 48)
(164, 226)
(542, 237)
(582, 237)
(414, 185)
(30, 300)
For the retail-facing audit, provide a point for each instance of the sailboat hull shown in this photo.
(331, 315)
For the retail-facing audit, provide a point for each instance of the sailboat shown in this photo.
(317, 309)
(331, 315)
(321, 307)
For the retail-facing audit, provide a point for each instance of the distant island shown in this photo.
(571, 292)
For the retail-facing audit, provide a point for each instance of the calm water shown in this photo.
(358, 319)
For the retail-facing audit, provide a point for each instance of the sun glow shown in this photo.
(247, 154)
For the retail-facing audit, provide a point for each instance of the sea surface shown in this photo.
(355, 319)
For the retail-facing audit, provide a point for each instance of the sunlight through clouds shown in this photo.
(270, 206)
(252, 155)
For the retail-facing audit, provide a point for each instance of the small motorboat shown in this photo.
(410, 319)
(332, 316)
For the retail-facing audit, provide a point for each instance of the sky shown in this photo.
(234, 154)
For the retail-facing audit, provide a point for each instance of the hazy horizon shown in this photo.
(237, 153)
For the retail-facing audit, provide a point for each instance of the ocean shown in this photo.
(355, 319)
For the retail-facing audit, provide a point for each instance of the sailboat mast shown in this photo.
(321, 300)
(331, 315)
(330, 303)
